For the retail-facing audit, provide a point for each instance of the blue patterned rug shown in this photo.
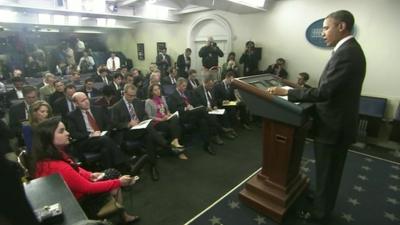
(369, 195)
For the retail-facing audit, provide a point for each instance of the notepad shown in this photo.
(217, 112)
(229, 103)
(174, 114)
(141, 125)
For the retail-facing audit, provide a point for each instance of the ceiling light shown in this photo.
(251, 3)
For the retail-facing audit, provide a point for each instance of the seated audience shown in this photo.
(230, 65)
(224, 92)
(5, 135)
(89, 90)
(116, 85)
(86, 123)
(302, 80)
(103, 76)
(16, 92)
(278, 69)
(86, 63)
(49, 157)
(180, 101)
(19, 113)
(171, 78)
(38, 112)
(154, 78)
(127, 113)
(204, 96)
(108, 98)
(59, 93)
(64, 105)
(48, 88)
(157, 109)
(75, 78)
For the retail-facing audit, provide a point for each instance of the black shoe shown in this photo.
(246, 127)
(217, 140)
(208, 148)
(155, 175)
(311, 217)
(138, 164)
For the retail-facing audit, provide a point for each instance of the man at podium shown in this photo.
(336, 99)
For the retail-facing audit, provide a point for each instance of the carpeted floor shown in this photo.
(369, 195)
(187, 187)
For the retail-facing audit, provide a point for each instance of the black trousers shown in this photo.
(111, 154)
(151, 139)
(171, 127)
(329, 162)
(198, 118)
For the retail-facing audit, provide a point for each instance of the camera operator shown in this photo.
(249, 59)
(210, 53)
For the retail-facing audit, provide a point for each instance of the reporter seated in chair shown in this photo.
(127, 113)
(157, 109)
(224, 92)
(86, 123)
(49, 142)
(38, 112)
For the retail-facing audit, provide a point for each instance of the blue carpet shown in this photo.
(369, 194)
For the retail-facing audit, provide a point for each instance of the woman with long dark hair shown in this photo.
(50, 138)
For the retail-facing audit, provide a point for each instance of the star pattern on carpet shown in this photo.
(390, 216)
(394, 176)
(366, 168)
(358, 188)
(368, 159)
(395, 167)
(305, 169)
(347, 217)
(392, 200)
(362, 177)
(234, 205)
(215, 221)
(396, 153)
(353, 201)
(260, 220)
(394, 188)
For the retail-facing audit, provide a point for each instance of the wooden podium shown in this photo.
(273, 190)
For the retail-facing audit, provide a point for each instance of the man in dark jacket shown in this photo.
(209, 54)
(337, 100)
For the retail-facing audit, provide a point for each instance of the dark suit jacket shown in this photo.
(16, 117)
(94, 93)
(76, 123)
(54, 97)
(167, 80)
(199, 97)
(120, 116)
(177, 103)
(97, 78)
(189, 85)
(163, 66)
(222, 94)
(182, 67)
(61, 107)
(117, 92)
(337, 95)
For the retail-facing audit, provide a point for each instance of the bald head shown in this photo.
(81, 100)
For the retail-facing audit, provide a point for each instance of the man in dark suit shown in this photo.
(204, 95)
(64, 105)
(116, 84)
(302, 80)
(59, 93)
(103, 76)
(85, 125)
(19, 113)
(127, 113)
(224, 92)
(180, 101)
(171, 78)
(89, 90)
(183, 63)
(336, 100)
(163, 61)
(16, 92)
(209, 54)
